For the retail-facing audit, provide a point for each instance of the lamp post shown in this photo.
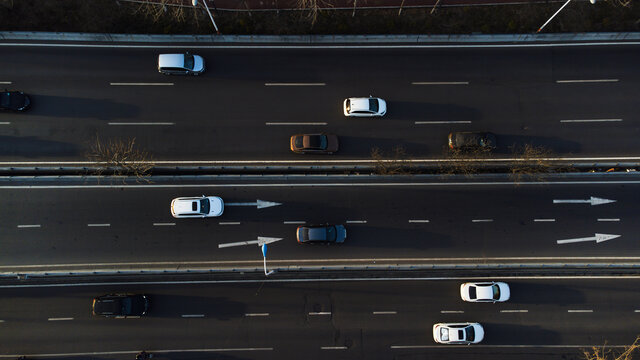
(554, 15)
(264, 257)
(204, 2)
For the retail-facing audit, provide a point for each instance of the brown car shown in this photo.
(314, 143)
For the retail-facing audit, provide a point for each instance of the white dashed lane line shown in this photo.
(29, 226)
(333, 348)
(5, 122)
(295, 84)
(60, 319)
(586, 81)
(295, 123)
(416, 221)
(98, 225)
(287, 222)
(590, 120)
(544, 220)
(440, 83)
(579, 311)
(451, 312)
(314, 313)
(256, 314)
(140, 84)
(164, 224)
(141, 123)
(229, 223)
(192, 315)
(611, 220)
(514, 311)
(441, 122)
(384, 313)
(5, 82)
(356, 221)
(481, 220)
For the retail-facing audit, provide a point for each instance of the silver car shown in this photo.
(180, 64)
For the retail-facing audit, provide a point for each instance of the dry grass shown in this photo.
(120, 158)
(395, 164)
(604, 353)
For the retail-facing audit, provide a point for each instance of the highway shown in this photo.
(416, 221)
(545, 319)
(573, 100)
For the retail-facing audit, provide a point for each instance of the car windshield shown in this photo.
(472, 292)
(318, 142)
(126, 306)
(188, 61)
(373, 105)
(496, 292)
(204, 206)
(5, 99)
(470, 333)
(331, 233)
(444, 334)
(348, 105)
(298, 141)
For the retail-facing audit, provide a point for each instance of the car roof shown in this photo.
(171, 60)
(184, 206)
(359, 104)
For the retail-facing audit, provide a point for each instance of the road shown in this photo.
(345, 320)
(419, 221)
(246, 104)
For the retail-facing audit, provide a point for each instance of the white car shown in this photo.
(197, 207)
(364, 106)
(485, 292)
(458, 333)
(180, 64)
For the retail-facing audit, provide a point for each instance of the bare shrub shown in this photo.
(397, 163)
(530, 160)
(313, 8)
(120, 157)
(156, 9)
(463, 161)
(604, 353)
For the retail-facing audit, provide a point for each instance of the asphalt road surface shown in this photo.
(477, 222)
(544, 319)
(572, 100)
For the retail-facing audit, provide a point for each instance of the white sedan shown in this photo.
(458, 333)
(485, 292)
(197, 207)
(364, 106)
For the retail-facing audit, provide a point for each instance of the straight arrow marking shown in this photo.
(261, 240)
(598, 238)
(260, 204)
(593, 201)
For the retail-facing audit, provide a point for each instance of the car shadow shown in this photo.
(424, 111)
(535, 293)
(171, 306)
(512, 334)
(74, 107)
(32, 147)
(510, 144)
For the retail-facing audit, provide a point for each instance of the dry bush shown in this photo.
(312, 8)
(530, 160)
(121, 157)
(463, 161)
(604, 353)
(397, 163)
(156, 9)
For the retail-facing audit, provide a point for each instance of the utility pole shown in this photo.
(204, 2)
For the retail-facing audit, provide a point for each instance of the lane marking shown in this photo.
(5, 123)
(192, 315)
(638, 311)
(294, 222)
(440, 83)
(1, 321)
(418, 221)
(544, 220)
(164, 224)
(384, 313)
(514, 311)
(139, 84)
(590, 120)
(229, 223)
(141, 123)
(313, 313)
(441, 122)
(98, 225)
(60, 319)
(448, 346)
(481, 220)
(356, 221)
(451, 312)
(613, 220)
(5, 83)
(28, 226)
(295, 123)
(586, 81)
(579, 311)
(256, 314)
(153, 351)
(295, 84)
(333, 348)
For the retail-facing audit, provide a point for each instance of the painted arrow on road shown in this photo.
(598, 238)
(592, 201)
(260, 204)
(261, 240)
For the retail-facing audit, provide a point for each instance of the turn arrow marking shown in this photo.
(593, 201)
(598, 238)
(261, 241)
(260, 204)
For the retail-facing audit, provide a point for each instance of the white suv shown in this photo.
(197, 207)
(364, 106)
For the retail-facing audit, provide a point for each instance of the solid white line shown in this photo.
(637, 311)
(418, 221)
(451, 312)
(60, 319)
(514, 311)
(140, 84)
(294, 222)
(28, 226)
(449, 346)
(586, 81)
(579, 311)
(142, 123)
(5, 123)
(98, 225)
(441, 122)
(590, 120)
(256, 314)
(356, 221)
(333, 348)
(313, 313)
(384, 313)
(481, 220)
(440, 83)
(295, 84)
(192, 315)
(125, 352)
(164, 224)
(295, 123)
(544, 220)
(614, 220)
(229, 223)
(5, 82)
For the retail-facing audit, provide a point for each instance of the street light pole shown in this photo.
(554, 15)
(204, 2)
(264, 257)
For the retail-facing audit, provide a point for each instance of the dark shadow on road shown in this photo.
(507, 144)
(73, 107)
(511, 334)
(172, 306)
(33, 147)
(533, 293)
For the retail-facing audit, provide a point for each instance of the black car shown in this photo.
(314, 143)
(321, 234)
(472, 140)
(14, 100)
(120, 305)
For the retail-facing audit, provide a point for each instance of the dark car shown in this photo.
(321, 234)
(120, 305)
(314, 143)
(472, 140)
(14, 100)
